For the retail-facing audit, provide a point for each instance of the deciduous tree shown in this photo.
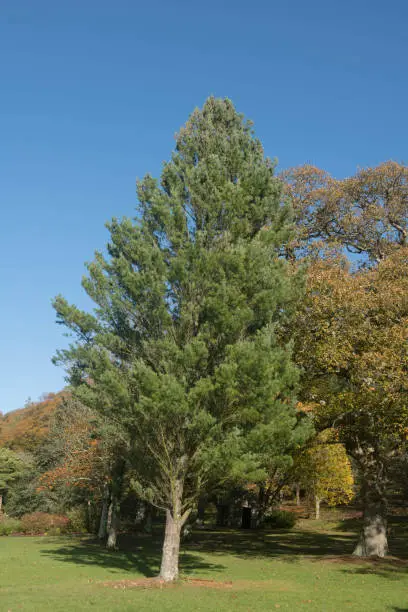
(352, 334)
(324, 470)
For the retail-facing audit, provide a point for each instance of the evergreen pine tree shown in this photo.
(182, 349)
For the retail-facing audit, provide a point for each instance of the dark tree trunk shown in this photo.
(114, 508)
(147, 522)
(200, 512)
(373, 536)
(113, 524)
(104, 514)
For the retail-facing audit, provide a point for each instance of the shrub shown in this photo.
(9, 525)
(77, 520)
(280, 519)
(41, 522)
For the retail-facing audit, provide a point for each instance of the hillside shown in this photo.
(24, 428)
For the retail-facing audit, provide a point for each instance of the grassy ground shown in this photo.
(245, 571)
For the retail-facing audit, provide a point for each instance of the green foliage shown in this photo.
(279, 519)
(9, 525)
(77, 519)
(11, 467)
(182, 349)
(24, 495)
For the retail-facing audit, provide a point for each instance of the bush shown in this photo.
(77, 520)
(41, 522)
(280, 519)
(9, 525)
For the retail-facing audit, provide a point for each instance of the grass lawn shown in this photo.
(247, 571)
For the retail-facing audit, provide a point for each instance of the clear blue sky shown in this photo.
(92, 92)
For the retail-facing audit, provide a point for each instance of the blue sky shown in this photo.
(92, 93)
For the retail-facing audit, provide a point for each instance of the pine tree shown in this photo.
(182, 349)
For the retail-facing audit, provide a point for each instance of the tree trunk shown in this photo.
(373, 536)
(297, 495)
(104, 514)
(113, 524)
(147, 522)
(317, 508)
(200, 512)
(169, 569)
(1, 502)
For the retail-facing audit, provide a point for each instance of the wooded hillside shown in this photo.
(23, 429)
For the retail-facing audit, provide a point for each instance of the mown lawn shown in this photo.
(246, 571)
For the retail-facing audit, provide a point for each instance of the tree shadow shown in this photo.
(287, 545)
(141, 556)
(390, 568)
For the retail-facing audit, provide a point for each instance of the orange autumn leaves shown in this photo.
(365, 213)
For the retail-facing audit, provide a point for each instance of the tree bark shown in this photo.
(104, 514)
(113, 524)
(200, 512)
(169, 569)
(317, 508)
(297, 495)
(373, 540)
(1, 502)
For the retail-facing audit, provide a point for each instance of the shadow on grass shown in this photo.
(140, 556)
(142, 553)
(287, 545)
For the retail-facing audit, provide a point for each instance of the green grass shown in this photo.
(293, 570)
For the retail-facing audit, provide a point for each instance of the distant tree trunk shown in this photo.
(1, 502)
(89, 515)
(114, 507)
(373, 536)
(317, 507)
(104, 514)
(113, 523)
(200, 512)
(169, 569)
(297, 495)
(147, 519)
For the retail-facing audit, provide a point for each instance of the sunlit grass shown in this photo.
(291, 570)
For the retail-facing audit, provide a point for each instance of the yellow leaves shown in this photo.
(325, 469)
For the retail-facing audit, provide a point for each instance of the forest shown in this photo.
(246, 360)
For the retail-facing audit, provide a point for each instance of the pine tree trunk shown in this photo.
(373, 536)
(104, 514)
(317, 508)
(297, 495)
(169, 569)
